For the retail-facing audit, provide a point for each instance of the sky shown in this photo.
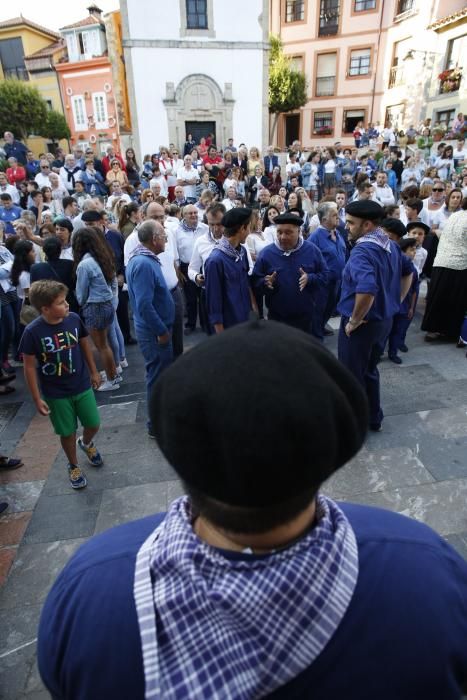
(52, 14)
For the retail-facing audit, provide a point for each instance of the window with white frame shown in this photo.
(79, 112)
(99, 102)
(360, 62)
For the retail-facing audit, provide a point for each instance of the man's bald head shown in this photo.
(155, 212)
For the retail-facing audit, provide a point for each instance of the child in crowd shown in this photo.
(391, 175)
(403, 319)
(60, 370)
(418, 230)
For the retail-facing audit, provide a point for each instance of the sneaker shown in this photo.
(109, 385)
(91, 452)
(119, 369)
(151, 434)
(124, 363)
(403, 348)
(77, 477)
(396, 359)
(117, 378)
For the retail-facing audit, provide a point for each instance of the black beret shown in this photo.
(394, 226)
(288, 218)
(91, 215)
(407, 243)
(258, 414)
(64, 223)
(418, 224)
(365, 209)
(238, 216)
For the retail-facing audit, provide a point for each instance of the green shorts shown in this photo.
(64, 413)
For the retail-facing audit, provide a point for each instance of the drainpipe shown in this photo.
(370, 121)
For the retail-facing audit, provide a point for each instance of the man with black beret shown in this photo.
(373, 286)
(228, 294)
(255, 584)
(291, 272)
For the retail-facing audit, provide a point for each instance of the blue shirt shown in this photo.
(286, 302)
(403, 636)
(372, 270)
(406, 303)
(152, 303)
(17, 150)
(334, 252)
(228, 298)
(10, 215)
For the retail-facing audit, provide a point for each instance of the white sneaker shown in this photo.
(118, 378)
(124, 363)
(109, 385)
(119, 369)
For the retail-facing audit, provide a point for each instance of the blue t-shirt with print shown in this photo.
(61, 368)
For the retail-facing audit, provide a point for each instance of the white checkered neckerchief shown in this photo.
(238, 628)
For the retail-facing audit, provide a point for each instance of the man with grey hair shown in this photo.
(14, 148)
(69, 173)
(152, 303)
(332, 245)
(93, 204)
(187, 232)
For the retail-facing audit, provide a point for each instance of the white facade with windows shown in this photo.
(192, 65)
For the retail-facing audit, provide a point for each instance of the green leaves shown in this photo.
(55, 127)
(287, 87)
(22, 109)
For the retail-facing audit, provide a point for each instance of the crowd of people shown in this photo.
(213, 599)
(200, 236)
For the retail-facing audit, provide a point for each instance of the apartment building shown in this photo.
(362, 62)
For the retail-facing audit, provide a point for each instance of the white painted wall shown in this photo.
(159, 19)
(153, 67)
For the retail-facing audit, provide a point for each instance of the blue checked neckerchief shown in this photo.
(185, 226)
(227, 248)
(238, 628)
(142, 250)
(378, 237)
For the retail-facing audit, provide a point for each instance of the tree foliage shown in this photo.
(22, 109)
(55, 127)
(287, 87)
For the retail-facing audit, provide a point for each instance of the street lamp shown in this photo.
(410, 54)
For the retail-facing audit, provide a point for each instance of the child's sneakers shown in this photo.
(91, 452)
(77, 477)
(124, 363)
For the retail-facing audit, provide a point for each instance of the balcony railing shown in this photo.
(329, 28)
(16, 74)
(396, 76)
(325, 86)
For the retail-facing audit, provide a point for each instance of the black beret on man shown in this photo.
(236, 217)
(91, 216)
(365, 209)
(258, 415)
(64, 223)
(288, 218)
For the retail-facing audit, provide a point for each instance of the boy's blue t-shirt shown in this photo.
(61, 368)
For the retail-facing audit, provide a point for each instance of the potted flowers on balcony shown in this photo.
(324, 130)
(450, 79)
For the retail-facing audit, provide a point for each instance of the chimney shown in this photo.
(94, 11)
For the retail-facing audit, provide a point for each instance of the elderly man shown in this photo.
(179, 197)
(6, 188)
(14, 148)
(188, 178)
(332, 245)
(383, 192)
(69, 173)
(155, 212)
(228, 294)
(255, 584)
(290, 272)
(42, 178)
(372, 290)
(116, 195)
(271, 161)
(186, 234)
(152, 304)
(264, 197)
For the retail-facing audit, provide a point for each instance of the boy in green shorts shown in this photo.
(58, 359)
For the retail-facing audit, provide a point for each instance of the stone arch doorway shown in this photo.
(198, 98)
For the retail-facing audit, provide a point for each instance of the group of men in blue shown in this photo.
(364, 277)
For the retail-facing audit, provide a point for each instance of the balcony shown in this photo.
(325, 86)
(18, 73)
(450, 80)
(396, 76)
(329, 28)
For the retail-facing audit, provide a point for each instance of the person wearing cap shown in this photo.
(229, 299)
(419, 231)
(255, 584)
(374, 283)
(291, 272)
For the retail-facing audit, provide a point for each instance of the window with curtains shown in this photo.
(322, 123)
(360, 62)
(294, 10)
(196, 14)
(326, 74)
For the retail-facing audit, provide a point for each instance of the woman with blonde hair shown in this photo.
(254, 159)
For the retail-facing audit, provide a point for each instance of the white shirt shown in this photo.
(162, 182)
(186, 240)
(420, 256)
(430, 216)
(256, 242)
(191, 175)
(167, 258)
(202, 249)
(384, 195)
(43, 181)
(330, 167)
(452, 248)
(24, 282)
(67, 253)
(114, 198)
(12, 191)
(292, 168)
(228, 204)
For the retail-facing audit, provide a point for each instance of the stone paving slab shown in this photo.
(64, 517)
(18, 668)
(21, 496)
(130, 503)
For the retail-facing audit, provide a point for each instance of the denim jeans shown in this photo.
(156, 359)
(116, 342)
(8, 322)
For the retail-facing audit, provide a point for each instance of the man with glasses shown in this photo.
(434, 203)
(152, 304)
(42, 177)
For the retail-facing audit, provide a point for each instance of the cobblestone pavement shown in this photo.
(417, 466)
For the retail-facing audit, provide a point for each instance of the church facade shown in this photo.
(199, 67)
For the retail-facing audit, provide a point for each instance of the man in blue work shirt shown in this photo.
(291, 272)
(152, 303)
(372, 290)
(14, 148)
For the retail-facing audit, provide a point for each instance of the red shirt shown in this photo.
(106, 161)
(15, 175)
